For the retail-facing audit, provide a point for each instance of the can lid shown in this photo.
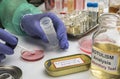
(10, 72)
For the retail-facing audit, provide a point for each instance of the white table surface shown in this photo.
(36, 70)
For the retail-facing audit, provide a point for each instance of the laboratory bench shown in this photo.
(36, 69)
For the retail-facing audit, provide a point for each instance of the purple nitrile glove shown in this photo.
(10, 43)
(31, 25)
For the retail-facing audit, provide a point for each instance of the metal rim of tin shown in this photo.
(13, 71)
(56, 73)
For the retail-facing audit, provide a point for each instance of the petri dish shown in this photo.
(32, 55)
(86, 44)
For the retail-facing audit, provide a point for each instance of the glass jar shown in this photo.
(114, 6)
(49, 4)
(105, 63)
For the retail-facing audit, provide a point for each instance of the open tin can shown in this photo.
(10, 72)
(68, 64)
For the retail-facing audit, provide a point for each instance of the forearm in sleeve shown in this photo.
(12, 11)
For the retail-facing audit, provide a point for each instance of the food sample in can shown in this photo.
(68, 64)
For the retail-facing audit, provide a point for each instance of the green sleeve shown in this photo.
(11, 12)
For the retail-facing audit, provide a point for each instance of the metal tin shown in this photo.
(68, 64)
(10, 72)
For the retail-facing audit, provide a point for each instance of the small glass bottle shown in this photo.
(48, 28)
(89, 9)
(105, 63)
(58, 6)
(49, 4)
(70, 5)
(94, 13)
(79, 5)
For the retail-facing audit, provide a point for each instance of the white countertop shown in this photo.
(36, 70)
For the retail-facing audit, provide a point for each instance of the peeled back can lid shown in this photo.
(10, 72)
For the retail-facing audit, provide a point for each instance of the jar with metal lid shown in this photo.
(105, 61)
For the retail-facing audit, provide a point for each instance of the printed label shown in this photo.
(69, 62)
(105, 61)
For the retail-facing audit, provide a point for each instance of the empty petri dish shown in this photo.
(32, 55)
(86, 44)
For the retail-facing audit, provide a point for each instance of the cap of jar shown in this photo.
(89, 4)
(95, 4)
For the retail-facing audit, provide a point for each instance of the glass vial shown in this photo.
(105, 63)
(70, 5)
(49, 4)
(94, 14)
(48, 28)
(58, 6)
(79, 5)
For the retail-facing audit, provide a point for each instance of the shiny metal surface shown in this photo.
(67, 65)
(10, 72)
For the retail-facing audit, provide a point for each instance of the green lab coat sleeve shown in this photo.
(11, 12)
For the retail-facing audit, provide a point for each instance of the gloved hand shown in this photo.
(10, 43)
(31, 25)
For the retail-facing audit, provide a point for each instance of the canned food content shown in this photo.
(67, 64)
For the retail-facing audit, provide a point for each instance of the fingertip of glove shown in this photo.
(65, 45)
(2, 56)
(9, 52)
(4, 49)
(13, 43)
